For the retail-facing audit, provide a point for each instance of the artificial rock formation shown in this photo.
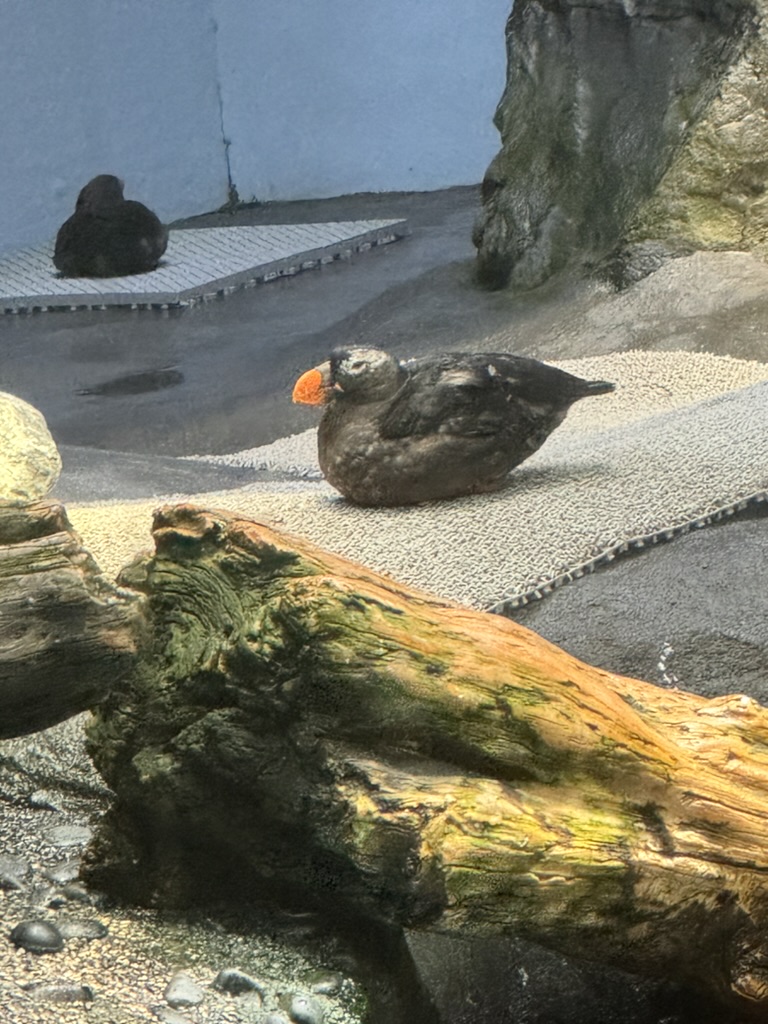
(29, 459)
(327, 734)
(599, 99)
(713, 195)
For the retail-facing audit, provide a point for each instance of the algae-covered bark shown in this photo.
(66, 633)
(310, 728)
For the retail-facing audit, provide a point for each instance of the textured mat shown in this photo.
(683, 441)
(199, 263)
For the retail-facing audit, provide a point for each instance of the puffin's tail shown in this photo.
(597, 387)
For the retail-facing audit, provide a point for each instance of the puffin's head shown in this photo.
(358, 374)
(102, 191)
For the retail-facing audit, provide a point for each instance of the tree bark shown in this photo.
(323, 730)
(66, 633)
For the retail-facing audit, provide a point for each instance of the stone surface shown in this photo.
(37, 936)
(29, 460)
(599, 97)
(82, 928)
(236, 982)
(60, 992)
(304, 1009)
(713, 195)
(12, 872)
(183, 990)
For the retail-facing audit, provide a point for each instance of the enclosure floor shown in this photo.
(199, 263)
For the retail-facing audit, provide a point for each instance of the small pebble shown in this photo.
(59, 992)
(12, 871)
(236, 982)
(37, 936)
(304, 1010)
(44, 798)
(79, 894)
(166, 1016)
(82, 928)
(65, 872)
(68, 835)
(182, 990)
(327, 984)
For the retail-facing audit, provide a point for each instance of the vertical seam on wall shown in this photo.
(227, 142)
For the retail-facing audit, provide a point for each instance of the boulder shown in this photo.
(600, 98)
(29, 460)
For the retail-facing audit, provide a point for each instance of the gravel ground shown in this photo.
(51, 798)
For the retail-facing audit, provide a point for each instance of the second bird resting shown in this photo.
(400, 432)
(108, 235)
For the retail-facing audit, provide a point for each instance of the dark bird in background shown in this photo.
(108, 236)
(396, 433)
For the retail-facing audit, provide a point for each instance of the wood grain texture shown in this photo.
(66, 632)
(333, 733)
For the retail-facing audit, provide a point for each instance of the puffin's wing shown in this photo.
(137, 223)
(78, 238)
(140, 217)
(457, 394)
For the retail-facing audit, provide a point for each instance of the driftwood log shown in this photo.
(66, 633)
(301, 725)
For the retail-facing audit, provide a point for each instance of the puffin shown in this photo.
(107, 235)
(399, 432)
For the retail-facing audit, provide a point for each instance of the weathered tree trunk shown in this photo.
(66, 633)
(305, 725)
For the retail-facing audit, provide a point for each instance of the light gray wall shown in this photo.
(314, 97)
(115, 86)
(326, 97)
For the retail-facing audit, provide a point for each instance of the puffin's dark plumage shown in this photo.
(396, 433)
(108, 236)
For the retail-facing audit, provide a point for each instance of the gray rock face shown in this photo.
(599, 97)
(713, 195)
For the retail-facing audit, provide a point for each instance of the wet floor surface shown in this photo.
(217, 376)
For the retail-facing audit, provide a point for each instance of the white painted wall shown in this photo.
(327, 97)
(127, 87)
(315, 98)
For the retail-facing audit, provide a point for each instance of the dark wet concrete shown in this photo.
(690, 613)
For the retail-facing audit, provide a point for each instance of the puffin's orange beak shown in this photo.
(314, 386)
